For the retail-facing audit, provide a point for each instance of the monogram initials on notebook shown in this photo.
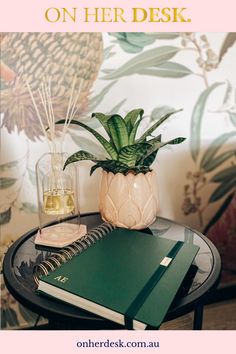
(61, 279)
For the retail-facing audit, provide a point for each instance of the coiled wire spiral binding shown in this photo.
(64, 255)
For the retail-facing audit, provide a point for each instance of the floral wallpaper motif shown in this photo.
(208, 166)
(157, 71)
(39, 56)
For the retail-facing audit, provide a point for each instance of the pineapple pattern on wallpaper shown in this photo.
(38, 56)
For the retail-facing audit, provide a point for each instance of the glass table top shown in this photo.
(28, 255)
(23, 255)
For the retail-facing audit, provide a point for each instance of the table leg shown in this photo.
(198, 317)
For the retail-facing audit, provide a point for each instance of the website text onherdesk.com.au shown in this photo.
(116, 344)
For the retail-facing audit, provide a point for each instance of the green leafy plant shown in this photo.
(127, 153)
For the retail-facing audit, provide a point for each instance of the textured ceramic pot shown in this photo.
(129, 201)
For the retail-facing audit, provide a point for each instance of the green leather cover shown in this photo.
(115, 269)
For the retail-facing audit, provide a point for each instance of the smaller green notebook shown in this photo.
(128, 277)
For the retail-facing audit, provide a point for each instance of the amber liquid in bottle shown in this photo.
(58, 202)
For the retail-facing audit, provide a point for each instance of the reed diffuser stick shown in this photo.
(37, 112)
(45, 95)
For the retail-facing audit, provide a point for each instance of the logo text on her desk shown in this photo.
(116, 14)
(61, 279)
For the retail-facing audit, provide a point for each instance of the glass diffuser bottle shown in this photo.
(57, 201)
(57, 188)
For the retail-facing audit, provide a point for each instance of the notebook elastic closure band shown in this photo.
(149, 286)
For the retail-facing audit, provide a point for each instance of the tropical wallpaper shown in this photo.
(121, 71)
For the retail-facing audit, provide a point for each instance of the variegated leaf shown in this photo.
(131, 118)
(102, 118)
(80, 156)
(110, 166)
(118, 132)
(84, 143)
(107, 146)
(129, 155)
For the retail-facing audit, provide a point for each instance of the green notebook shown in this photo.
(128, 277)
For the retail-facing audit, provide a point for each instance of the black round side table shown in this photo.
(198, 286)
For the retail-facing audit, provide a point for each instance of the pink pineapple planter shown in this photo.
(129, 201)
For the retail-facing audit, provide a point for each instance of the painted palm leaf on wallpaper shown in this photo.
(211, 162)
